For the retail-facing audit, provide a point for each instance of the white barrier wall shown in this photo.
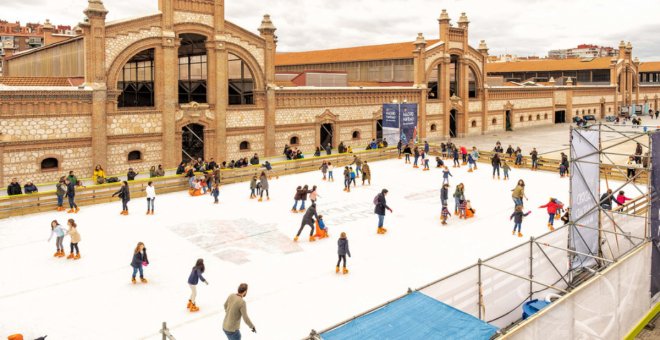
(606, 307)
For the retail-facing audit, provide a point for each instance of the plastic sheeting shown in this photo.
(614, 245)
(414, 316)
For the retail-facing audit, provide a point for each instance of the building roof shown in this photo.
(41, 81)
(37, 49)
(550, 65)
(349, 54)
(649, 66)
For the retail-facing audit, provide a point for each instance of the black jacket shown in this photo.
(138, 258)
(310, 215)
(180, 169)
(254, 161)
(444, 194)
(123, 193)
(495, 161)
(342, 247)
(14, 189)
(70, 189)
(131, 175)
(381, 204)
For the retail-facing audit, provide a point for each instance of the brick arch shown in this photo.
(251, 61)
(59, 159)
(294, 135)
(126, 55)
(195, 28)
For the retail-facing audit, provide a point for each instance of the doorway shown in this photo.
(192, 142)
(602, 110)
(452, 123)
(560, 117)
(379, 130)
(326, 135)
(509, 126)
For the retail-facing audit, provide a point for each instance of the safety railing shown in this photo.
(165, 332)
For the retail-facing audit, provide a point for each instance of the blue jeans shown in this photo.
(72, 201)
(124, 204)
(295, 205)
(416, 158)
(330, 175)
(517, 201)
(233, 335)
(135, 270)
(456, 202)
(358, 170)
(60, 200)
(517, 226)
(445, 180)
(381, 219)
(496, 169)
(150, 203)
(551, 218)
(302, 206)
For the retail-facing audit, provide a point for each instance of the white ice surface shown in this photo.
(293, 287)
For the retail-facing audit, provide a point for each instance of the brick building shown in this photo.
(583, 51)
(185, 83)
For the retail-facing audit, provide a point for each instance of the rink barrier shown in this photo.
(494, 289)
(166, 332)
(26, 204)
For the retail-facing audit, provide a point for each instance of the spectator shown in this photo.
(341, 148)
(212, 164)
(254, 160)
(268, 166)
(181, 168)
(30, 187)
(130, 175)
(14, 188)
(160, 172)
(317, 152)
(373, 144)
(385, 143)
(328, 149)
(99, 175)
(152, 172)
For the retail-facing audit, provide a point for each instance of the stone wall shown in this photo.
(306, 140)
(137, 123)
(245, 118)
(366, 133)
(43, 128)
(116, 45)
(308, 115)
(256, 141)
(118, 163)
(26, 164)
(499, 123)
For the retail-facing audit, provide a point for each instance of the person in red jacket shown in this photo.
(464, 154)
(622, 199)
(552, 206)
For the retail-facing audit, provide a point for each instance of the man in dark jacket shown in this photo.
(607, 199)
(131, 174)
(30, 188)
(381, 206)
(308, 219)
(328, 149)
(444, 194)
(14, 188)
(254, 160)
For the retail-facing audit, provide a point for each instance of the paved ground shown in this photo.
(648, 334)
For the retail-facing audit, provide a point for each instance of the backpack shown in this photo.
(112, 180)
(376, 199)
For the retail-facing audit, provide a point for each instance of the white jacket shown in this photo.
(151, 191)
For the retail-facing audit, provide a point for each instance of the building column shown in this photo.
(221, 101)
(169, 100)
(443, 94)
(484, 111)
(213, 77)
(267, 31)
(463, 91)
(420, 83)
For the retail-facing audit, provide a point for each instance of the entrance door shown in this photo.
(509, 127)
(192, 142)
(379, 129)
(560, 117)
(452, 123)
(326, 135)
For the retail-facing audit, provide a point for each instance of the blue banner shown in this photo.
(408, 122)
(391, 116)
(655, 213)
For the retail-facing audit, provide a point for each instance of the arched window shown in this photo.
(294, 140)
(538, 117)
(589, 111)
(434, 127)
(472, 84)
(529, 118)
(494, 121)
(245, 145)
(432, 84)
(609, 109)
(473, 123)
(136, 81)
(583, 111)
(356, 135)
(522, 119)
(241, 82)
(134, 155)
(50, 164)
(192, 68)
(545, 116)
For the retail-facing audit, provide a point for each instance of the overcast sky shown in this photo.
(522, 27)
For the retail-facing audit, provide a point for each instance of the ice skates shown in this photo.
(520, 234)
(337, 270)
(57, 254)
(261, 199)
(345, 271)
(77, 210)
(77, 257)
(295, 239)
(382, 230)
(312, 239)
(194, 308)
(301, 210)
(133, 280)
(70, 256)
(143, 280)
(189, 304)
(294, 211)
(469, 170)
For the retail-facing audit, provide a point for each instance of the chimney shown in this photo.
(463, 21)
(444, 25)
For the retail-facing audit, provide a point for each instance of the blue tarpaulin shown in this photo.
(415, 316)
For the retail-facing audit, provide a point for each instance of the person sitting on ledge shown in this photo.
(14, 188)
(341, 148)
(131, 174)
(254, 160)
(30, 187)
(181, 168)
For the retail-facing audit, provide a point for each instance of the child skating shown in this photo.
(552, 207)
(75, 239)
(445, 175)
(151, 197)
(193, 280)
(139, 261)
(342, 251)
(506, 168)
(321, 229)
(517, 217)
(263, 179)
(59, 232)
(253, 187)
(444, 215)
(215, 192)
(330, 169)
(308, 220)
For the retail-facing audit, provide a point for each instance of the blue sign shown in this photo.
(409, 121)
(391, 116)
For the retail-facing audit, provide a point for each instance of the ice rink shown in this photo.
(292, 286)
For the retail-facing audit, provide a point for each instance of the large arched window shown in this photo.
(454, 76)
(192, 69)
(136, 81)
(472, 84)
(49, 164)
(432, 85)
(241, 82)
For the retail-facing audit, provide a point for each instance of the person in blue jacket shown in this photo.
(342, 251)
(381, 206)
(139, 260)
(193, 280)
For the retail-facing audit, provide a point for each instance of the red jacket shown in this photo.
(552, 207)
(463, 150)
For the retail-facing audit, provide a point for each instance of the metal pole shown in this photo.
(163, 330)
(524, 278)
(479, 293)
(577, 252)
(531, 267)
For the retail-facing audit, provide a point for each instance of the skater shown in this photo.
(444, 194)
(459, 195)
(496, 162)
(330, 169)
(471, 163)
(475, 156)
(60, 192)
(469, 211)
(193, 280)
(342, 251)
(75, 239)
(321, 229)
(445, 175)
(353, 175)
(464, 155)
(308, 219)
(552, 207)
(621, 199)
(125, 196)
(506, 168)
(215, 192)
(462, 205)
(263, 180)
(59, 232)
(71, 195)
(444, 215)
(296, 197)
(347, 180)
(381, 206)
(235, 309)
(399, 147)
(630, 171)
(607, 199)
(324, 169)
(457, 163)
(366, 173)
(303, 197)
(519, 193)
(358, 165)
(517, 217)
(443, 150)
(253, 187)
(439, 163)
(139, 261)
(427, 147)
(407, 151)
(425, 160)
(416, 153)
(151, 197)
(313, 194)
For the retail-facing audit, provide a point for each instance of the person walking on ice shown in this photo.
(381, 206)
(59, 232)
(139, 261)
(151, 197)
(506, 168)
(75, 239)
(517, 217)
(308, 219)
(235, 309)
(366, 173)
(193, 280)
(342, 251)
(263, 179)
(552, 206)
